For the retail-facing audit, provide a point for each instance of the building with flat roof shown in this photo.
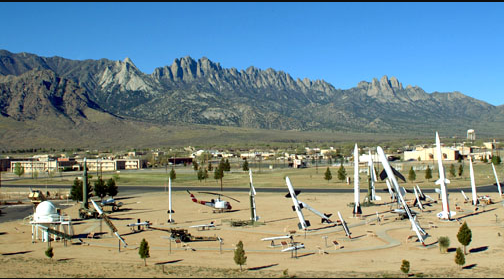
(426, 154)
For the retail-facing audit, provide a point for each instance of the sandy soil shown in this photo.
(376, 249)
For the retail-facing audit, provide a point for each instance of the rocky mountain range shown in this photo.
(203, 92)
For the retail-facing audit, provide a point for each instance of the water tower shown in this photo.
(471, 135)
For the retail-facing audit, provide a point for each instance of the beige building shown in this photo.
(35, 166)
(426, 154)
(111, 165)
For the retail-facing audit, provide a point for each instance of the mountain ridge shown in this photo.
(203, 92)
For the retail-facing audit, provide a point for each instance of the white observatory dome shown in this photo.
(46, 212)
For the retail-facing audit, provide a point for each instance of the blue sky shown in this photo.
(440, 47)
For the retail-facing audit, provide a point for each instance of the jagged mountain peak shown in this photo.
(201, 91)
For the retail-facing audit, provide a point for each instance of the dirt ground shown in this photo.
(375, 250)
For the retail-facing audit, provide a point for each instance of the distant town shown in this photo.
(38, 164)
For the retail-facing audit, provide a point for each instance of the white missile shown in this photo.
(276, 237)
(497, 180)
(442, 181)
(345, 227)
(418, 199)
(463, 194)
(387, 181)
(473, 183)
(373, 179)
(100, 211)
(302, 223)
(252, 194)
(297, 247)
(357, 208)
(390, 174)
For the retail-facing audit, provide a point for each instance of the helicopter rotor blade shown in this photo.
(218, 194)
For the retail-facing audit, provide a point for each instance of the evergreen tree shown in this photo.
(206, 174)
(428, 173)
(143, 251)
(173, 175)
(18, 169)
(245, 165)
(76, 191)
(342, 173)
(227, 165)
(464, 236)
(452, 170)
(328, 175)
(222, 164)
(49, 252)
(100, 189)
(459, 257)
(411, 174)
(201, 175)
(219, 174)
(210, 168)
(405, 267)
(195, 165)
(239, 255)
(112, 189)
(444, 243)
(461, 170)
(496, 160)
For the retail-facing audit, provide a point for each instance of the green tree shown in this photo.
(496, 160)
(464, 235)
(19, 169)
(76, 190)
(143, 251)
(239, 255)
(342, 173)
(49, 252)
(206, 174)
(405, 267)
(428, 173)
(444, 243)
(210, 168)
(452, 170)
(201, 175)
(227, 165)
(327, 174)
(245, 165)
(459, 257)
(219, 174)
(461, 170)
(112, 189)
(195, 165)
(411, 174)
(173, 175)
(100, 189)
